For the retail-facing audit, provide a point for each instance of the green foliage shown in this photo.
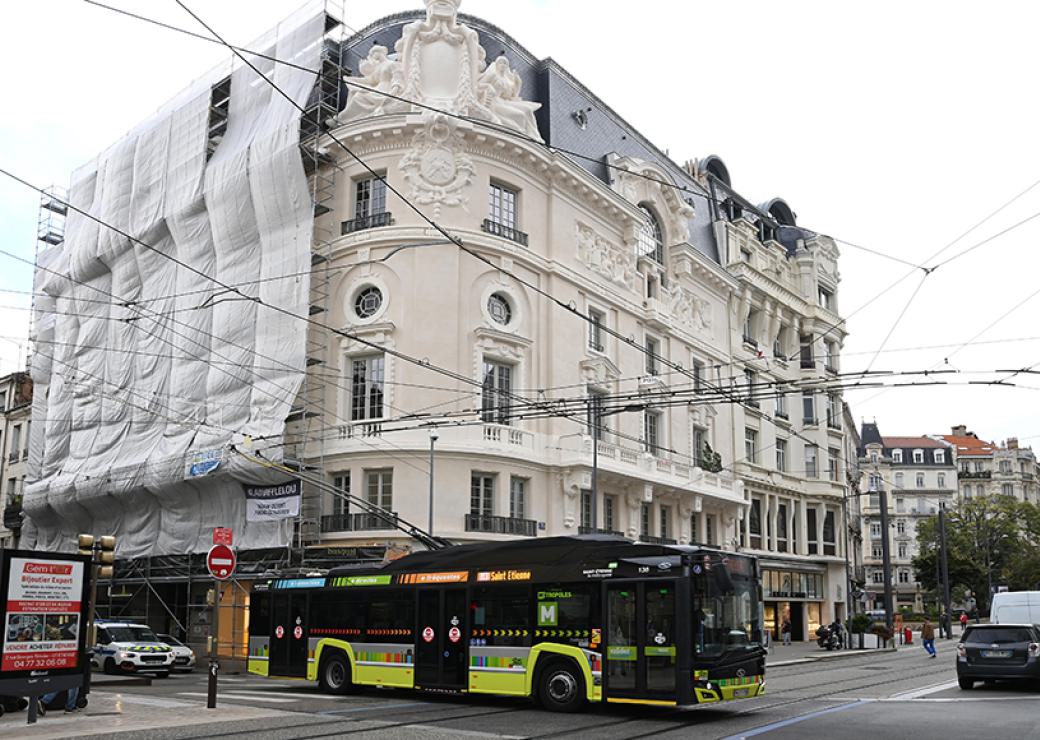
(712, 461)
(860, 623)
(984, 536)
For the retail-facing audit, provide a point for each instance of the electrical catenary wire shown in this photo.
(598, 161)
(398, 194)
(375, 174)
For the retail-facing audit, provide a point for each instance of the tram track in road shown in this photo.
(341, 730)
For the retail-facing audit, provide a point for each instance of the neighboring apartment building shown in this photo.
(15, 406)
(988, 469)
(919, 474)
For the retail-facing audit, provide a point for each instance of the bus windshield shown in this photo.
(726, 611)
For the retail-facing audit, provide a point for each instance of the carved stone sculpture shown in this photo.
(377, 73)
(499, 90)
(436, 167)
(440, 64)
(606, 259)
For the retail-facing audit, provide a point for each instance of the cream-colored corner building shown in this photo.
(607, 278)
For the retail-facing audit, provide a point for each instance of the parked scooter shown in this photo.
(829, 636)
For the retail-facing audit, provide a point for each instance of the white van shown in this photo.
(1015, 607)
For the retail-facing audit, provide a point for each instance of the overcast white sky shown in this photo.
(892, 125)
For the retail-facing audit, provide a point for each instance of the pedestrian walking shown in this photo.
(785, 631)
(964, 621)
(928, 637)
(70, 701)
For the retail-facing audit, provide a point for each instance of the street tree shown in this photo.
(988, 544)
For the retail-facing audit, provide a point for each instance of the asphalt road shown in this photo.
(881, 695)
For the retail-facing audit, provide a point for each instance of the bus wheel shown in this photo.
(561, 687)
(334, 675)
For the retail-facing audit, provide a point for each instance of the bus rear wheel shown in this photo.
(561, 687)
(334, 675)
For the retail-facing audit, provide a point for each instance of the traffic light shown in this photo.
(86, 544)
(106, 556)
(102, 550)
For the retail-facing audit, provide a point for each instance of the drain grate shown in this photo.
(874, 668)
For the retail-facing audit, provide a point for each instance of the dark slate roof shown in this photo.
(561, 95)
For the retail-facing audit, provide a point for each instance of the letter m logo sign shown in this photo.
(547, 614)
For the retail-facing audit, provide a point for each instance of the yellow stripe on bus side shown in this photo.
(652, 702)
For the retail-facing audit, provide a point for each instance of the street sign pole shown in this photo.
(945, 569)
(221, 563)
(214, 666)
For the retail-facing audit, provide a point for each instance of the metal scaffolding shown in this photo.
(305, 445)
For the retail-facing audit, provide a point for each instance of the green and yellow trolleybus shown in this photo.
(564, 620)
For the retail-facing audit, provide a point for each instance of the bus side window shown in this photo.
(501, 609)
(573, 606)
(391, 616)
(259, 614)
(339, 612)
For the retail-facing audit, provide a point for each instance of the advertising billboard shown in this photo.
(45, 602)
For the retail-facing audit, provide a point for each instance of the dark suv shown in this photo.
(989, 652)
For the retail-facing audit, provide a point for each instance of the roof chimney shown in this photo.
(959, 431)
(1012, 443)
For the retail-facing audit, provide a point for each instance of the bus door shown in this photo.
(641, 640)
(441, 638)
(288, 656)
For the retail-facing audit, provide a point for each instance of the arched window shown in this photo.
(651, 240)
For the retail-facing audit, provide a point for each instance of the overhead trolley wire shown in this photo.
(598, 161)
(454, 240)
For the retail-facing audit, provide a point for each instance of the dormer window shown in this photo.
(918, 457)
(939, 456)
(651, 238)
(897, 456)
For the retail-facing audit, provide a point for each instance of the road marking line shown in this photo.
(375, 707)
(795, 720)
(295, 694)
(950, 700)
(154, 701)
(917, 693)
(242, 698)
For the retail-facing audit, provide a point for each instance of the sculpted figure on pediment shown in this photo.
(379, 73)
(499, 89)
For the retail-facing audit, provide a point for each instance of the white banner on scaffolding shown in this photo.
(270, 503)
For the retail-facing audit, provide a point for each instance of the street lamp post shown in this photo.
(945, 569)
(429, 523)
(596, 415)
(886, 557)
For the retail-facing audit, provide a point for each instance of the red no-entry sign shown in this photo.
(221, 562)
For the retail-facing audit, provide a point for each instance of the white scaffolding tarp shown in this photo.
(146, 369)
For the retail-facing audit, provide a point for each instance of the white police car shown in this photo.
(183, 656)
(131, 648)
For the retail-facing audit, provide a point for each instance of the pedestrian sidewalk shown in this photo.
(810, 652)
(114, 712)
